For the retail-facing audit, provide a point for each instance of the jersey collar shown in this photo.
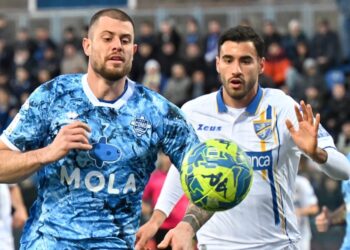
(130, 85)
(251, 108)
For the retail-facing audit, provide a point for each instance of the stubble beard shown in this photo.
(114, 74)
(238, 94)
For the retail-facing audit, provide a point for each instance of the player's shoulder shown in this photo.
(277, 98)
(63, 83)
(197, 104)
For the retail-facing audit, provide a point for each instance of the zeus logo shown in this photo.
(260, 160)
(203, 127)
(95, 181)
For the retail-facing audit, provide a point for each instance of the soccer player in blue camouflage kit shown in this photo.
(92, 139)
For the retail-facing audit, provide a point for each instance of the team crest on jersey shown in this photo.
(263, 128)
(140, 125)
(102, 152)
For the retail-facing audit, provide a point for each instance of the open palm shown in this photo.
(306, 136)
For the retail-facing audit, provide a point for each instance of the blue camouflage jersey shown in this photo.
(95, 195)
(346, 195)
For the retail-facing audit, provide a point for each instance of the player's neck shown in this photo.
(239, 103)
(104, 89)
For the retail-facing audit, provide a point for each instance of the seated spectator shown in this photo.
(307, 83)
(144, 53)
(343, 143)
(194, 59)
(276, 64)
(270, 34)
(178, 87)
(337, 110)
(70, 37)
(5, 108)
(23, 58)
(334, 77)
(192, 33)
(293, 38)
(153, 77)
(199, 86)
(21, 83)
(6, 55)
(50, 61)
(23, 40)
(73, 61)
(325, 46)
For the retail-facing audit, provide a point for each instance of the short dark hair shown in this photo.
(243, 34)
(112, 13)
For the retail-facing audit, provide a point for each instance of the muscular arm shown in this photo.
(196, 217)
(16, 166)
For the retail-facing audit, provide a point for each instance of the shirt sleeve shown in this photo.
(28, 130)
(171, 192)
(337, 165)
(179, 136)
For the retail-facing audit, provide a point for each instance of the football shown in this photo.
(216, 175)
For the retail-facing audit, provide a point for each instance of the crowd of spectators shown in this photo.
(181, 66)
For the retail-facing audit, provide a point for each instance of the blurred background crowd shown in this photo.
(176, 57)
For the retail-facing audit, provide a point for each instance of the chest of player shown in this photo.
(259, 135)
(117, 137)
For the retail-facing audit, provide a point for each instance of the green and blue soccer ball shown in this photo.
(216, 175)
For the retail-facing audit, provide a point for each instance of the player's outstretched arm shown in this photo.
(332, 161)
(169, 196)
(180, 238)
(16, 166)
(149, 229)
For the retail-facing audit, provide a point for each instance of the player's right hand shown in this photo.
(145, 233)
(71, 136)
(323, 220)
(179, 238)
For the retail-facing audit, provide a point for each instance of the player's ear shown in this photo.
(87, 46)
(217, 63)
(135, 48)
(261, 65)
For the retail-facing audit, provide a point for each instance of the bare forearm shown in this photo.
(16, 166)
(309, 210)
(157, 218)
(196, 217)
(338, 216)
(16, 197)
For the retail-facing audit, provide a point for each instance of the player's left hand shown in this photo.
(179, 238)
(306, 136)
(19, 217)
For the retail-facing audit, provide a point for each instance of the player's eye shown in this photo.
(227, 59)
(246, 60)
(107, 39)
(125, 40)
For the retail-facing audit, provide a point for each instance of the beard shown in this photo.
(238, 94)
(112, 74)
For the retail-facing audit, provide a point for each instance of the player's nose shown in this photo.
(236, 68)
